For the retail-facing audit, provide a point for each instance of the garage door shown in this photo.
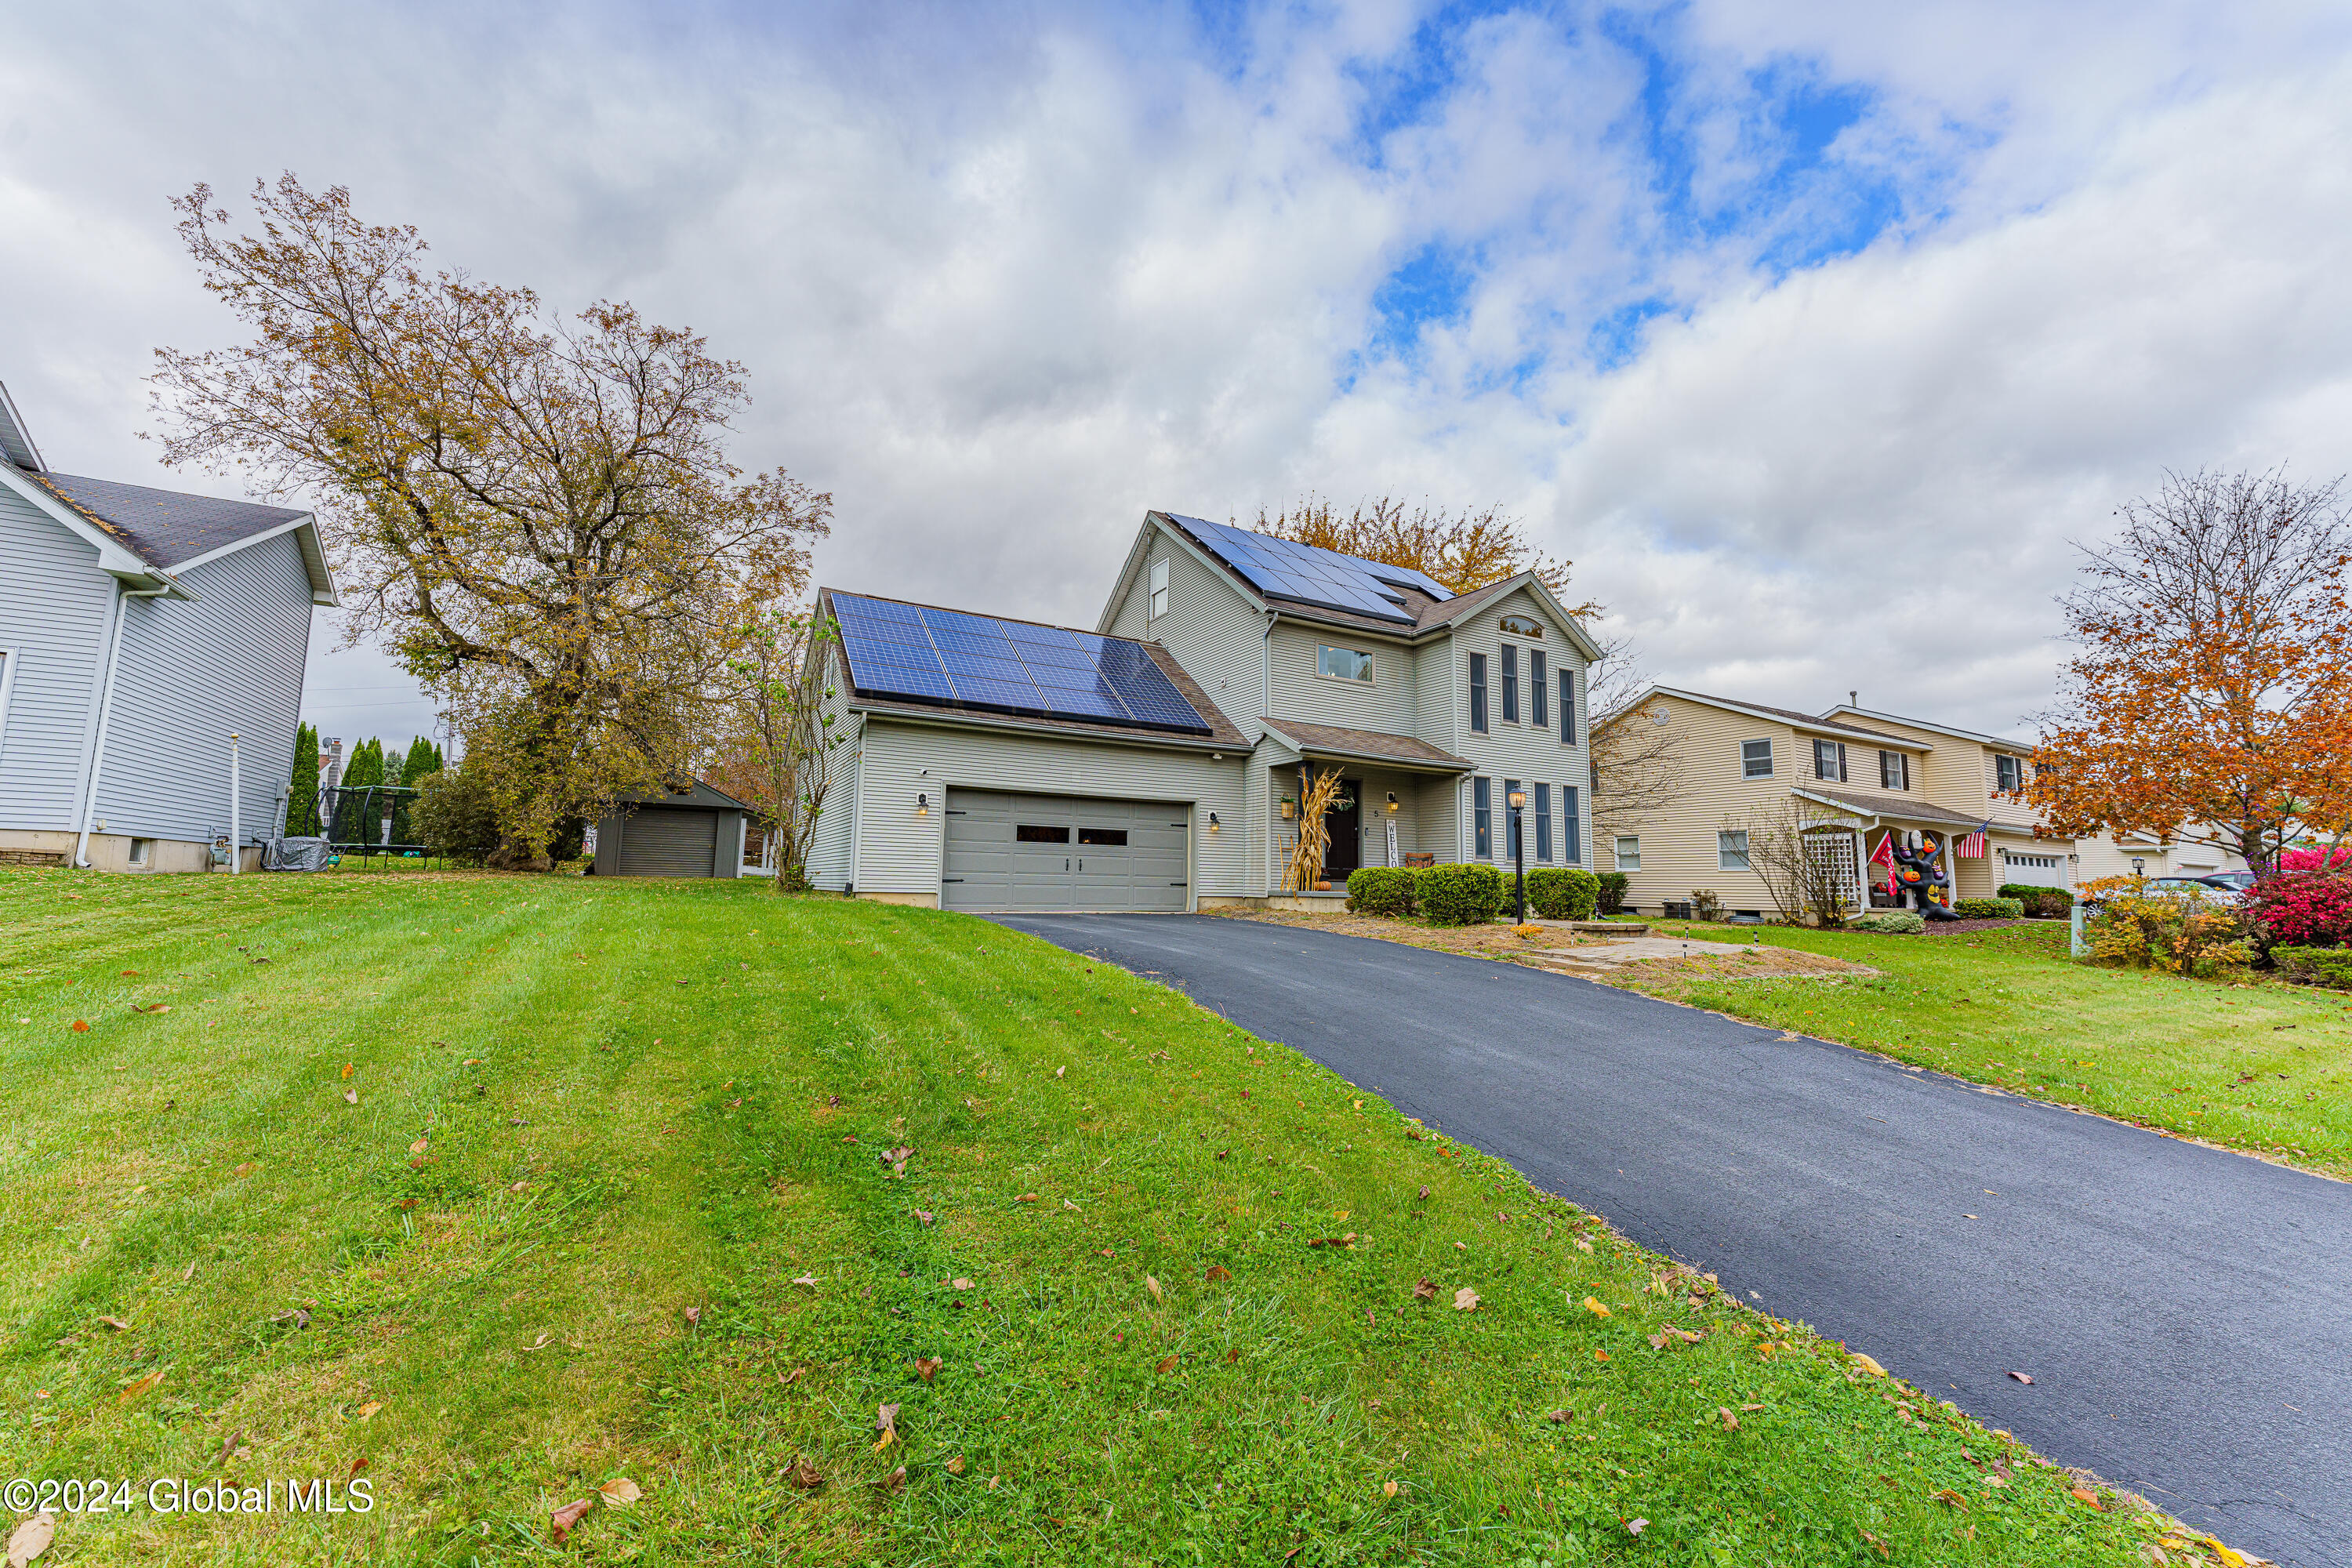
(2037, 871)
(670, 842)
(1011, 851)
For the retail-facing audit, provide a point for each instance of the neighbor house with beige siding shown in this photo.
(1156, 761)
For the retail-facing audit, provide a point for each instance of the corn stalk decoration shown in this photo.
(1314, 839)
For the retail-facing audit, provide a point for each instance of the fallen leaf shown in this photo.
(955, 1466)
(150, 1008)
(350, 1068)
(2020, 1377)
(1232, 1355)
(807, 1279)
(1560, 1417)
(928, 1367)
(1059, 1071)
(1217, 1271)
(357, 1466)
(81, 1026)
(1426, 1290)
(1465, 1300)
(924, 1214)
(804, 1475)
(622, 1490)
(959, 1284)
(1167, 1366)
(1153, 1285)
(1424, 1194)
(117, 1324)
(144, 1385)
(229, 1445)
(1883, 1552)
(797, 1373)
(888, 1437)
(418, 1147)
(1026, 1198)
(1388, 1489)
(1730, 1422)
(1635, 1526)
(1068, 1205)
(1868, 1365)
(2083, 1494)
(351, 1096)
(370, 1408)
(895, 1481)
(559, 1522)
(1950, 1498)
(886, 1419)
(1596, 1309)
(31, 1539)
(694, 1317)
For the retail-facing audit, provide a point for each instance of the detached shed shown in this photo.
(693, 831)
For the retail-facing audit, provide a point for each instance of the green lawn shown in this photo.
(2265, 1066)
(503, 1188)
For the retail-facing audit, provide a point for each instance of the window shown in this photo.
(1482, 815)
(1568, 707)
(1030, 832)
(1894, 771)
(1536, 714)
(1829, 760)
(1512, 845)
(1510, 684)
(1629, 852)
(1571, 827)
(1756, 759)
(1522, 627)
(141, 851)
(1159, 587)
(2010, 773)
(1343, 664)
(1731, 851)
(1543, 808)
(1114, 837)
(1478, 694)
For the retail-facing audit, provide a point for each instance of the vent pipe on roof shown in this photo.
(1853, 699)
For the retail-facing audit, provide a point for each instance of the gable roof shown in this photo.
(1788, 716)
(1907, 808)
(2020, 747)
(1373, 745)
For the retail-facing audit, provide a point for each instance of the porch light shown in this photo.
(922, 805)
(1213, 824)
(1392, 800)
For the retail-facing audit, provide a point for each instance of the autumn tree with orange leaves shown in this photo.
(1463, 550)
(535, 513)
(2210, 700)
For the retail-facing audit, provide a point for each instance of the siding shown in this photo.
(55, 608)
(829, 865)
(899, 852)
(192, 672)
(1526, 750)
(1388, 704)
(1679, 844)
(1214, 631)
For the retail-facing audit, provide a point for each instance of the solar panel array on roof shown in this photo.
(1011, 667)
(1283, 569)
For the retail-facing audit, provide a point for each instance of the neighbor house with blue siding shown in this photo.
(139, 629)
(1158, 760)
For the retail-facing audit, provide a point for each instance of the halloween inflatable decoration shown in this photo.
(1919, 871)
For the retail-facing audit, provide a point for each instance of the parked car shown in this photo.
(2215, 888)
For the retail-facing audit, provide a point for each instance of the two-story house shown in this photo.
(1856, 775)
(1157, 762)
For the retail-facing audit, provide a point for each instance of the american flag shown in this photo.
(1972, 846)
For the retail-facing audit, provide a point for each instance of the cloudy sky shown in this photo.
(1812, 332)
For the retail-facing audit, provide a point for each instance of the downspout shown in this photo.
(106, 713)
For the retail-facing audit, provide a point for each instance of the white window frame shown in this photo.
(1833, 752)
(1748, 773)
(2015, 762)
(1371, 676)
(8, 657)
(1900, 768)
(1157, 604)
(1624, 862)
(1724, 850)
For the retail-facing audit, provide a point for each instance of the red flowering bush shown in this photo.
(2302, 908)
(2317, 860)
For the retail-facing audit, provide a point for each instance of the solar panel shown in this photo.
(978, 662)
(1285, 569)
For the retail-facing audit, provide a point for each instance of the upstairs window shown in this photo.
(1756, 759)
(1543, 810)
(2008, 773)
(1829, 760)
(1894, 770)
(1568, 707)
(1536, 714)
(1344, 664)
(1159, 587)
(1478, 694)
(1482, 810)
(1510, 684)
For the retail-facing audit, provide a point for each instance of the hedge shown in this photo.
(1612, 892)
(2328, 966)
(1380, 890)
(1563, 893)
(1990, 908)
(1458, 895)
(1889, 922)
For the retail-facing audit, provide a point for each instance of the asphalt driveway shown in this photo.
(2186, 1314)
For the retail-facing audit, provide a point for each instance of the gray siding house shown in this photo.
(139, 629)
(1155, 762)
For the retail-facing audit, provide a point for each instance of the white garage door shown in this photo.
(2036, 870)
(1038, 852)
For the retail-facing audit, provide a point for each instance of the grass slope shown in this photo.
(2264, 1066)
(617, 1197)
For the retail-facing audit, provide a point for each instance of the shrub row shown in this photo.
(1563, 893)
(2001, 908)
(1889, 922)
(1469, 894)
(2328, 966)
(2047, 903)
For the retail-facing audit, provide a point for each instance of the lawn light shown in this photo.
(2139, 867)
(1518, 799)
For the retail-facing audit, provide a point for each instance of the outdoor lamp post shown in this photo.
(1519, 860)
(2139, 868)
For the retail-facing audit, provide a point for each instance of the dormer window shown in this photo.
(1159, 588)
(1343, 664)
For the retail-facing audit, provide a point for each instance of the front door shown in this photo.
(1346, 824)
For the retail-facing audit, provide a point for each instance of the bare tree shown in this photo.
(782, 734)
(1639, 765)
(1782, 851)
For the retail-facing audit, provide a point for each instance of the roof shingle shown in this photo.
(165, 527)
